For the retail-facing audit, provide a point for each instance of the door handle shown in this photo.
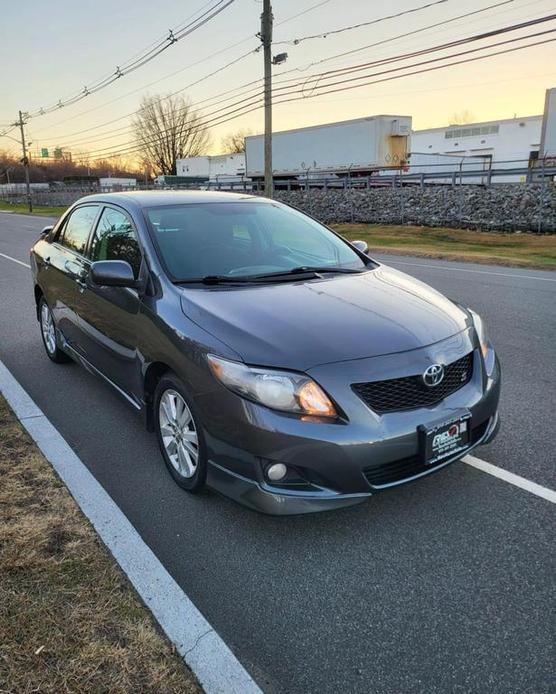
(72, 268)
(82, 284)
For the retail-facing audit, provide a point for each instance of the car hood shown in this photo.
(305, 323)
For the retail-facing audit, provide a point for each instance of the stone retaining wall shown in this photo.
(503, 207)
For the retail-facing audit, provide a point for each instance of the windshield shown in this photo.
(242, 239)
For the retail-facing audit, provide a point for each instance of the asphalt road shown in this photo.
(440, 586)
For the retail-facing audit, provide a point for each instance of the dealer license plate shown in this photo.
(445, 439)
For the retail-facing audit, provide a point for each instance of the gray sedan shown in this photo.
(276, 362)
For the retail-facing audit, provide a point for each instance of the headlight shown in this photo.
(482, 334)
(280, 390)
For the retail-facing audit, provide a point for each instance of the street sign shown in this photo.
(44, 152)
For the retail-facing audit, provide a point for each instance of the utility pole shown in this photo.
(25, 162)
(266, 38)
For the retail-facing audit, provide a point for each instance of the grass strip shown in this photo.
(70, 621)
(511, 249)
(39, 210)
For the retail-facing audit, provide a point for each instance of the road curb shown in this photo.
(204, 651)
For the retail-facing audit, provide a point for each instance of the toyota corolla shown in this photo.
(277, 363)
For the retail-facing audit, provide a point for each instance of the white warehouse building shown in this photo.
(507, 143)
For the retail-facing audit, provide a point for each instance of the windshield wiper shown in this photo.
(246, 279)
(304, 269)
(215, 279)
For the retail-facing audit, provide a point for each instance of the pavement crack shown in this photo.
(197, 640)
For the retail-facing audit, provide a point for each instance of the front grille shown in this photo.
(399, 470)
(410, 392)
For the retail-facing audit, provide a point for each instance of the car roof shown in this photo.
(152, 198)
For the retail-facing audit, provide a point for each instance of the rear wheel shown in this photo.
(48, 333)
(179, 434)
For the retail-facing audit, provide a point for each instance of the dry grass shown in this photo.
(514, 250)
(69, 619)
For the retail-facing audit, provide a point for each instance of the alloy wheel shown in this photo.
(178, 433)
(48, 329)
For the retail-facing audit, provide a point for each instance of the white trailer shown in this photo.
(227, 167)
(194, 167)
(220, 167)
(359, 146)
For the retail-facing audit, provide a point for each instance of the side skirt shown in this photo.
(80, 359)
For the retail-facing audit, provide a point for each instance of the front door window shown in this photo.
(115, 239)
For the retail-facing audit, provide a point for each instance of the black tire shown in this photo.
(53, 352)
(167, 386)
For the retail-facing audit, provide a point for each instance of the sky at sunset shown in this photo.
(51, 50)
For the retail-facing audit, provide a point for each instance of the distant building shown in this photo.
(509, 143)
(548, 135)
(116, 183)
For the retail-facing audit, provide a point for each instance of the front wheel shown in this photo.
(48, 332)
(179, 434)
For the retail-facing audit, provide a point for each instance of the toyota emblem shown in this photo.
(434, 375)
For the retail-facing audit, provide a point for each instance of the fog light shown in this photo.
(276, 472)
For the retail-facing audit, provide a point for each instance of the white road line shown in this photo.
(463, 269)
(511, 478)
(208, 656)
(15, 260)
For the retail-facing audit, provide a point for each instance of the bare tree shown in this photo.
(168, 129)
(82, 157)
(462, 117)
(235, 142)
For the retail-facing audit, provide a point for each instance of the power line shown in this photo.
(430, 69)
(230, 112)
(127, 127)
(150, 84)
(255, 82)
(325, 34)
(187, 67)
(330, 74)
(440, 47)
(173, 37)
(405, 35)
(258, 81)
(129, 148)
(235, 108)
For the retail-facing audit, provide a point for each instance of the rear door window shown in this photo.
(78, 227)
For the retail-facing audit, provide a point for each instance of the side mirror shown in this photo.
(112, 273)
(46, 231)
(361, 246)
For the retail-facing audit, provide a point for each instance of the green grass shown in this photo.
(511, 249)
(41, 210)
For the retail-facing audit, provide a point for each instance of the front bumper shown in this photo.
(334, 459)
(277, 501)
